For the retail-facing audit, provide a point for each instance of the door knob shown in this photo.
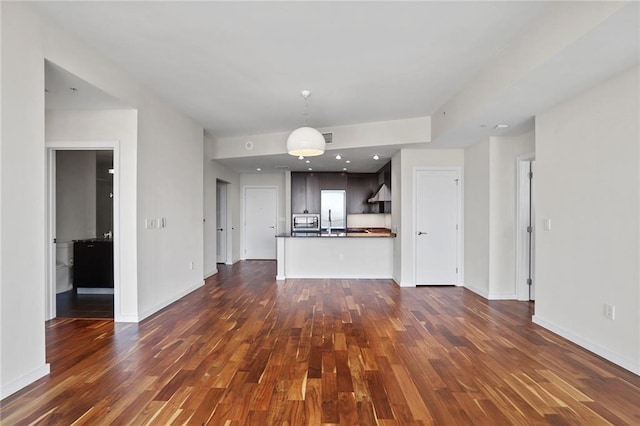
(272, 227)
(219, 229)
(422, 233)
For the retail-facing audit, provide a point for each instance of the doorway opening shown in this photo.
(525, 235)
(82, 250)
(223, 230)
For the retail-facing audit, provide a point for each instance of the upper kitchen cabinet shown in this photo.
(305, 193)
(361, 186)
(337, 180)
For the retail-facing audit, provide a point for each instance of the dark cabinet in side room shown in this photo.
(93, 263)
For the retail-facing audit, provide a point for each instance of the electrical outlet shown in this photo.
(149, 223)
(341, 257)
(610, 311)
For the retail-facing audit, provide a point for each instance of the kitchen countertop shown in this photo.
(350, 233)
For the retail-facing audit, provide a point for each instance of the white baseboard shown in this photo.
(23, 381)
(405, 283)
(169, 301)
(336, 277)
(502, 296)
(210, 273)
(491, 296)
(127, 318)
(624, 362)
(280, 278)
(90, 290)
(479, 291)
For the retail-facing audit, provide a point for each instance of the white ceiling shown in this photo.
(64, 90)
(237, 68)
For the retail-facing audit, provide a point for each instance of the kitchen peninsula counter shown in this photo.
(338, 235)
(362, 253)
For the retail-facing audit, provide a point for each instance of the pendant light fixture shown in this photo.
(305, 141)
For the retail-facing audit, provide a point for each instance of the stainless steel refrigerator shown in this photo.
(333, 209)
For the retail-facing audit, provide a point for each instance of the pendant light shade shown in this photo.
(305, 141)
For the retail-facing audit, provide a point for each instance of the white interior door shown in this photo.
(525, 236)
(532, 235)
(436, 232)
(221, 222)
(260, 215)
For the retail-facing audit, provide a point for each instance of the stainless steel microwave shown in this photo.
(305, 223)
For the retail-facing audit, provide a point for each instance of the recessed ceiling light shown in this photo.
(501, 126)
(348, 161)
(338, 157)
(259, 169)
(310, 169)
(376, 157)
(308, 161)
(301, 157)
(344, 168)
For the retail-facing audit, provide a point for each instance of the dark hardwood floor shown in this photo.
(72, 305)
(247, 350)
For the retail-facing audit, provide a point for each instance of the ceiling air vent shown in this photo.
(328, 137)
(282, 167)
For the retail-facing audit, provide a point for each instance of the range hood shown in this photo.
(382, 194)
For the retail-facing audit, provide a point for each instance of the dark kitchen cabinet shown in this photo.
(306, 187)
(333, 180)
(93, 263)
(305, 193)
(361, 187)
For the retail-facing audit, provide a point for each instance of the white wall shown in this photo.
(396, 217)
(587, 184)
(22, 308)
(491, 213)
(503, 154)
(410, 159)
(476, 218)
(109, 126)
(75, 195)
(169, 183)
(213, 171)
(265, 179)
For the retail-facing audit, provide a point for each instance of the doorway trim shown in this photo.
(522, 219)
(459, 218)
(222, 187)
(50, 252)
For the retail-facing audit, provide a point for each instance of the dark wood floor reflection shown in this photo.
(247, 350)
(72, 305)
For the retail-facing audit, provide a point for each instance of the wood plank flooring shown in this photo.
(247, 350)
(72, 305)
